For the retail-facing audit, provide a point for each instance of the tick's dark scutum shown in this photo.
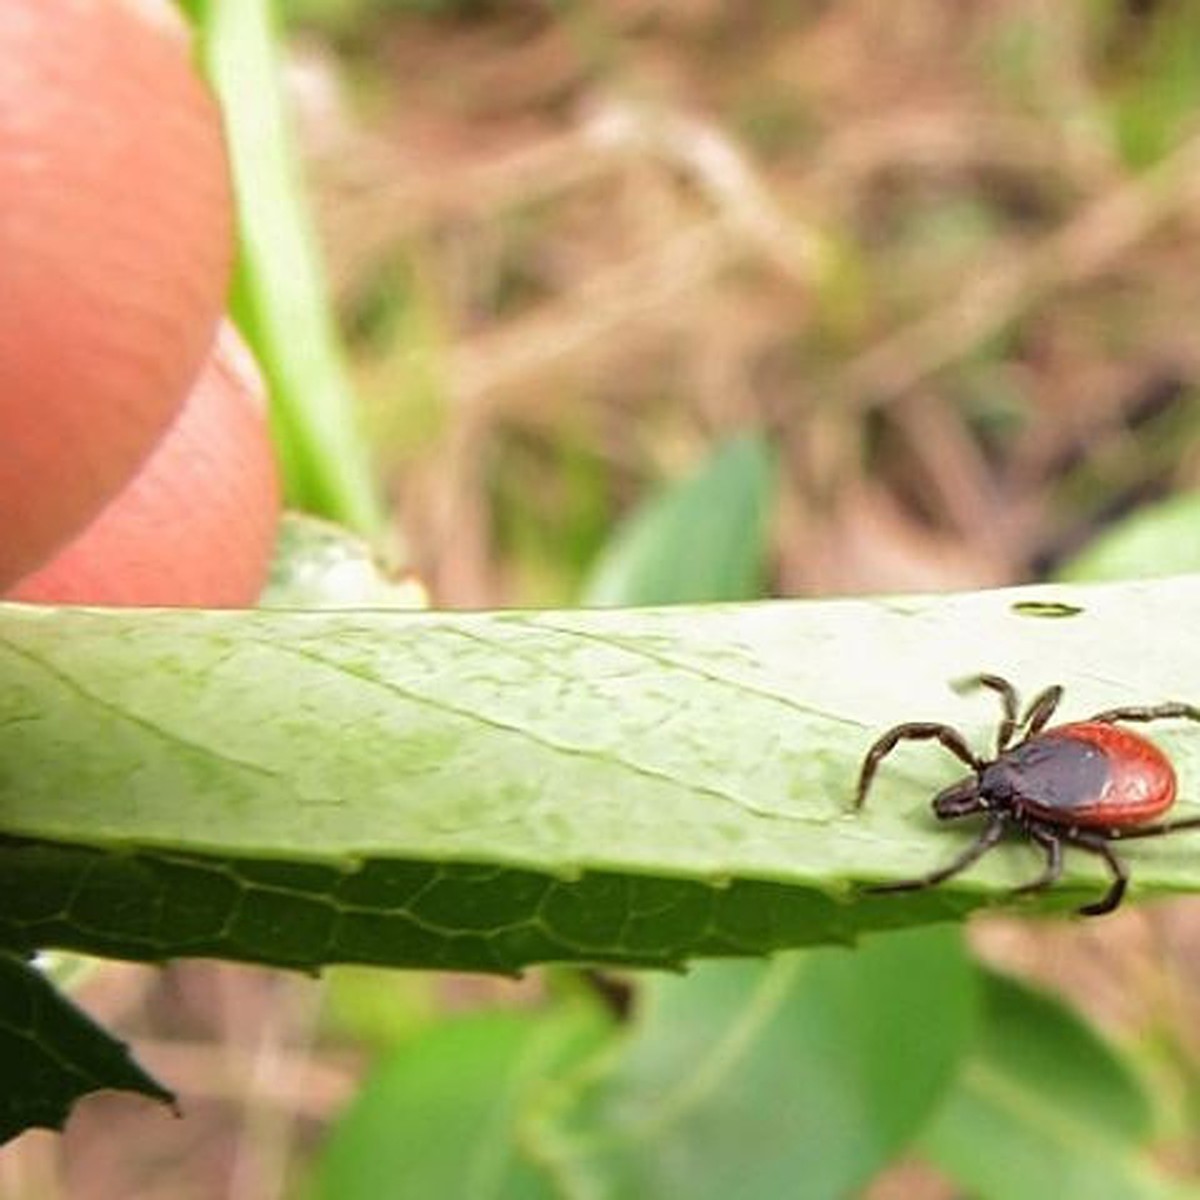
(1049, 773)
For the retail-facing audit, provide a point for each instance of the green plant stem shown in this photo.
(279, 295)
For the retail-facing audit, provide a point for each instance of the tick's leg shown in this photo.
(911, 731)
(1052, 844)
(1041, 709)
(1008, 698)
(1156, 830)
(1096, 844)
(1153, 712)
(992, 833)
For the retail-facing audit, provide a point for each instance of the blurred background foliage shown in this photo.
(939, 256)
(647, 301)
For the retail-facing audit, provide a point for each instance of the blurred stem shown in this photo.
(279, 297)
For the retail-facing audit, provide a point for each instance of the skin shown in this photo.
(195, 526)
(137, 466)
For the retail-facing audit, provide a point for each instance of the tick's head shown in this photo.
(958, 799)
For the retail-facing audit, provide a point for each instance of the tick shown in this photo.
(1085, 784)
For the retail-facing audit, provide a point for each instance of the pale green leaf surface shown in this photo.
(489, 790)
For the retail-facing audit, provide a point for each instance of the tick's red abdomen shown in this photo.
(1135, 782)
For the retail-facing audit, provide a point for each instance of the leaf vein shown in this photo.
(167, 735)
(583, 752)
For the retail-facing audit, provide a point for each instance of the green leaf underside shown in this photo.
(53, 1054)
(491, 790)
(156, 904)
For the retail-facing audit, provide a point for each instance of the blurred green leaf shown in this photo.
(1161, 540)
(53, 1054)
(379, 1008)
(1155, 98)
(331, 16)
(800, 1080)
(279, 294)
(1043, 1107)
(701, 539)
(451, 1113)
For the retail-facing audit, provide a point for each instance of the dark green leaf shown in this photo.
(53, 1054)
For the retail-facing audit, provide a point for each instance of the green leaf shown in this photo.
(1161, 540)
(493, 790)
(701, 539)
(53, 1054)
(320, 565)
(1153, 99)
(377, 1009)
(452, 1112)
(279, 294)
(800, 1080)
(1044, 1107)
